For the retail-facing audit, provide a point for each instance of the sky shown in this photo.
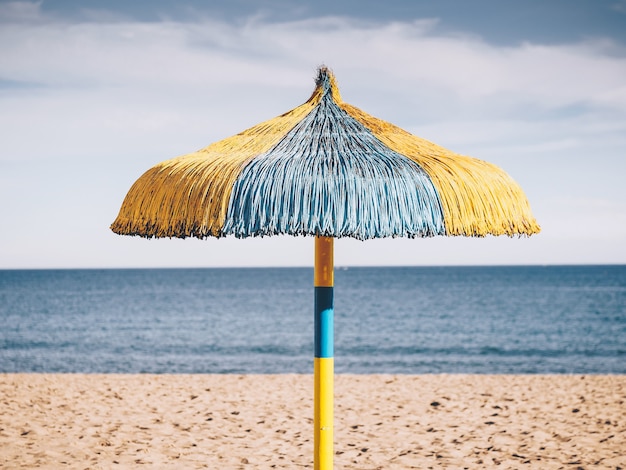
(95, 92)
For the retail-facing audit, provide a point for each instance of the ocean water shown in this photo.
(409, 320)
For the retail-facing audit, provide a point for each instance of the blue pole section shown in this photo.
(324, 322)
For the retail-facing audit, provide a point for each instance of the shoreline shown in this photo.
(381, 421)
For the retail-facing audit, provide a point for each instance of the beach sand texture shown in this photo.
(75, 421)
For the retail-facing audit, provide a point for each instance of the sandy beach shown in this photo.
(78, 421)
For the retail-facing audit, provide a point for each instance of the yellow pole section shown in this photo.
(324, 361)
(323, 422)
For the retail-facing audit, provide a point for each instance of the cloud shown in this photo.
(138, 78)
(18, 12)
(94, 102)
(619, 6)
(208, 53)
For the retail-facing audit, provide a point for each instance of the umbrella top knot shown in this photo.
(325, 83)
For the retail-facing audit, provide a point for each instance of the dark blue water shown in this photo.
(567, 319)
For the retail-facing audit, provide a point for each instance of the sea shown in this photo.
(400, 320)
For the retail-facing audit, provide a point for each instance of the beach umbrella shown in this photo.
(329, 170)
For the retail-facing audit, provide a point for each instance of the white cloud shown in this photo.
(209, 53)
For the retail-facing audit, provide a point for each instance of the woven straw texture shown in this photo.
(324, 168)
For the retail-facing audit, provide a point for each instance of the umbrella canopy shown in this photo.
(324, 168)
(330, 170)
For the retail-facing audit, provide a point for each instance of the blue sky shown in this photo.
(93, 93)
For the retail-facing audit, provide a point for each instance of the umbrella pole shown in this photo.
(324, 360)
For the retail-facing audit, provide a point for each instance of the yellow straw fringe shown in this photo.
(188, 195)
(477, 197)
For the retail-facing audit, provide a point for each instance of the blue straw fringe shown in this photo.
(331, 176)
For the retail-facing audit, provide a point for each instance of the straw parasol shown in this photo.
(329, 170)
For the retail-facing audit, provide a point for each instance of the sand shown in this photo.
(55, 421)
